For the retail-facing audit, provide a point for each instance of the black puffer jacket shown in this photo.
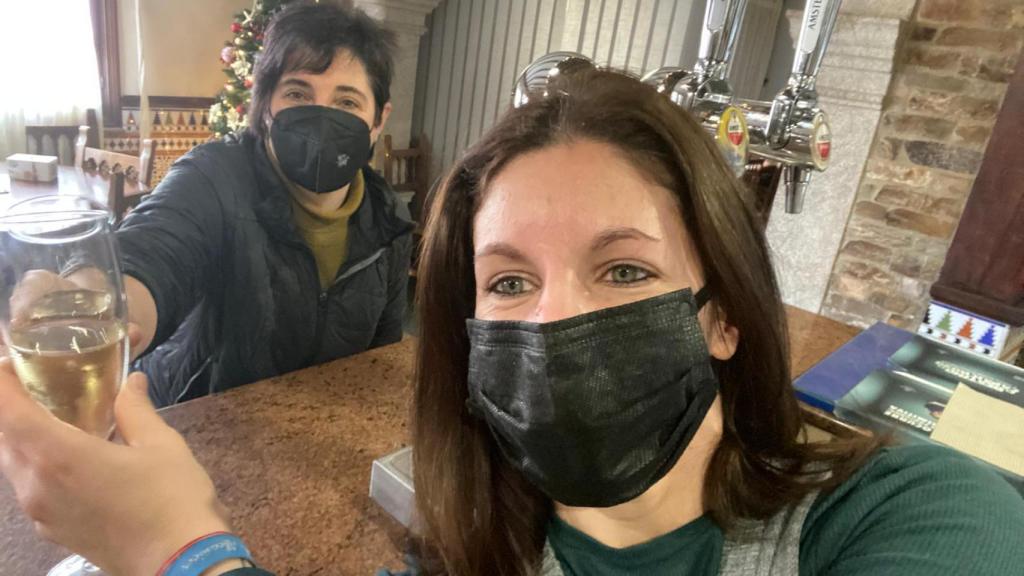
(236, 287)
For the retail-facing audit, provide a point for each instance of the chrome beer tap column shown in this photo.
(792, 130)
(705, 91)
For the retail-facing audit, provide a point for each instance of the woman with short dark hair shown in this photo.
(279, 247)
(602, 387)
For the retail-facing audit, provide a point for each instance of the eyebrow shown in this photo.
(603, 240)
(296, 82)
(346, 89)
(340, 89)
(613, 235)
(500, 249)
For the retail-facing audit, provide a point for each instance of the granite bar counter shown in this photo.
(291, 458)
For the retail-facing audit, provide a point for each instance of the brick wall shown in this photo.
(949, 83)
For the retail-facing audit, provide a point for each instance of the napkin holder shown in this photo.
(391, 485)
(32, 168)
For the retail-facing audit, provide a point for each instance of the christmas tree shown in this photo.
(228, 114)
(989, 338)
(946, 323)
(967, 329)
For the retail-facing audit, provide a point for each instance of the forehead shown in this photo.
(345, 68)
(568, 192)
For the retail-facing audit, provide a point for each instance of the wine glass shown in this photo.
(63, 314)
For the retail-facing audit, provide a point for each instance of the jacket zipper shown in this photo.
(322, 299)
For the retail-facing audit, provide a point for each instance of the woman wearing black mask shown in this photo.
(620, 401)
(277, 248)
(602, 387)
(281, 248)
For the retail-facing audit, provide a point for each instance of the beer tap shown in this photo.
(705, 91)
(540, 77)
(792, 130)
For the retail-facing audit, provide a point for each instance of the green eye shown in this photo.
(511, 286)
(627, 274)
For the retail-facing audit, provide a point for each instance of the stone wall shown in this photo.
(951, 76)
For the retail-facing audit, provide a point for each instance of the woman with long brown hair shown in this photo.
(575, 413)
(602, 387)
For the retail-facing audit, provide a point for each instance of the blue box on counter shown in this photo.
(829, 380)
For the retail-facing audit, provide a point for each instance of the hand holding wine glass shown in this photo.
(125, 507)
(63, 317)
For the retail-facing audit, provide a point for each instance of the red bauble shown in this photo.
(240, 109)
(236, 27)
(259, 37)
(247, 83)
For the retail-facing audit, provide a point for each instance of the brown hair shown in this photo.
(480, 513)
(305, 36)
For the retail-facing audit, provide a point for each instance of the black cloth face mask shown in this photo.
(320, 148)
(597, 408)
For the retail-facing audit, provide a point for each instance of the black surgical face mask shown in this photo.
(320, 148)
(594, 409)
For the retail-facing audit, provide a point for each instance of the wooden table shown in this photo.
(291, 458)
(70, 181)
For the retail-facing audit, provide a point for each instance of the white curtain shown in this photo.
(50, 75)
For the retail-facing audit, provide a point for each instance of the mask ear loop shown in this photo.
(702, 297)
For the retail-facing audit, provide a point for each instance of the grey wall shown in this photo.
(474, 49)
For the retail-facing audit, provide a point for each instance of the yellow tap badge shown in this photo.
(732, 138)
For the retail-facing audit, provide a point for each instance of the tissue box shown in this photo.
(32, 168)
(391, 485)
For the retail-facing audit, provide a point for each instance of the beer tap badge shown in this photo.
(732, 138)
(821, 141)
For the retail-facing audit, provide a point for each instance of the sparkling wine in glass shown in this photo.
(63, 314)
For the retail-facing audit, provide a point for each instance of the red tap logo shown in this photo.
(732, 137)
(824, 143)
(821, 141)
(735, 130)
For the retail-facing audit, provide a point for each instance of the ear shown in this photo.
(376, 131)
(722, 337)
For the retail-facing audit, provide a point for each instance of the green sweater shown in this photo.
(912, 510)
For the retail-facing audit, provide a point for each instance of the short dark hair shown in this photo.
(305, 36)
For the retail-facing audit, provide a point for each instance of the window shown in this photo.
(50, 72)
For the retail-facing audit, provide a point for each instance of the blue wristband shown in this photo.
(206, 553)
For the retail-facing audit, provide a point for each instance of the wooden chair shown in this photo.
(408, 172)
(38, 138)
(137, 169)
(116, 201)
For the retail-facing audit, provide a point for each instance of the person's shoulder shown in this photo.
(927, 505)
(924, 466)
(378, 186)
(389, 209)
(231, 150)
(215, 168)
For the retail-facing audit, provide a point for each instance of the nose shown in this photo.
(562, 299)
